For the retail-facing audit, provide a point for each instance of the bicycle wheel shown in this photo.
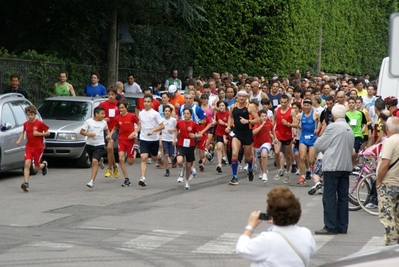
(363, 192)
(353, 182)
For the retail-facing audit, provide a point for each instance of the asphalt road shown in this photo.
(62, 222)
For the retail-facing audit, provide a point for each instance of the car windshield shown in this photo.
(65, 110)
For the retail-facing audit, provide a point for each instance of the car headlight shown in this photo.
(67, 136)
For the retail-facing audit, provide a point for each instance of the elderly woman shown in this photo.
(283, 244)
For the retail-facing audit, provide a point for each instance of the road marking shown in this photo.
(321, 240)
(97, 228)
(50, 245)
(224, 244)
(374, 242)
(152, 241)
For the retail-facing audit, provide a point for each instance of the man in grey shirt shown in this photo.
(337, 144)
(131, 87)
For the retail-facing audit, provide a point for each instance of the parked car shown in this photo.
(65, 116)
(132, 99)
(12, 118)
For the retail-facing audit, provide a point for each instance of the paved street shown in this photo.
(62, 222)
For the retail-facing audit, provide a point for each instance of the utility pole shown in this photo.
(318, 68)
(112, 49)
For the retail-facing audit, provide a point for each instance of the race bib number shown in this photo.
(308, 137)
(353, 122)
(111, 113)
(275, 102)
(186, 142)
(232, 134)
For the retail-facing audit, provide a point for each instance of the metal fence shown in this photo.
(38, 78)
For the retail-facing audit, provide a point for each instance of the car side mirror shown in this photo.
(6, 126)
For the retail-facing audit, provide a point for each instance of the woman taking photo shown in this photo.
(283, 244)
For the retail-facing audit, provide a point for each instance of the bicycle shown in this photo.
(364, 190)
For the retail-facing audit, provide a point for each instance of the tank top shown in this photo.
(355, 122)
(257, 97)
(62, 90)
(238, 126)
(283, 132)
(209, 113)
(308, 124)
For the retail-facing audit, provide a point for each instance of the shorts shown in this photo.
(318, 167)
(187, 152)
(211, 130)
(258, 151)
(113, 137)
(365, 138)
(308, 139)
(34, 154)
(358, 143)
(95, 152)
(201, 144)
(149, 147)
(285, 142)
(245, 139)
(296, 146)
(219, 139)
(127, 146)
(168, 148)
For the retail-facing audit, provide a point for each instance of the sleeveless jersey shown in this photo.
(283, 132)
(308, 124)
(355, 122)
(237, 114)
(258, 97)
(62, 90)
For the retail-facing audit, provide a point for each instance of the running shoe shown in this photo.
(149, 161)
(116, 171)
(246, 168)
(264, 177)
(293, 168)
(108, 173)
(90, 184)
(142, 182)
(201, 167)
(194, 172)
(160, 165)
(250, 176)
(45, 169)
(301, 180)
(224, 161)
(25, 187)
(219, 169)
(314, 188)
(180, 180)
(126, 183)
(190, 177)
(187, 186)
(279, 174)
(308, 176)
(167, 173)
(286, 179)
(260, 175)
(234, 181)
(371, 206)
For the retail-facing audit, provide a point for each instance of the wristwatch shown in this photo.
(249, 227)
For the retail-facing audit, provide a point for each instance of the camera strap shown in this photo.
(292, 246)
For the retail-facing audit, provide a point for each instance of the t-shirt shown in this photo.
(274, 100)
(111, 111)
(169, 124)
(35, 142)
(97, 127)
(177, 99)
(62, 90)
(355, 121)
(132, 89)
(149, 120)
(390, 150)
(140, 104)
(90, 90)
(221, 129)
(185, 128)
(125, 125)
(263, 136)
(203, 126)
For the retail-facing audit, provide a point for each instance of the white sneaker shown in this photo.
(90, 184)
(180, 179)
(142, 182)
(187, 186)
(297, 172)
(149, 161)
(246, 168)
(264, 177)
(101, 163)
(169, 161)
(371, 206)
(194, 173)
(190, 177)
(260, 175)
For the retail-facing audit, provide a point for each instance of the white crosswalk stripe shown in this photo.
(224, 244)
(321, 240)
(374, 242)
(151, 241)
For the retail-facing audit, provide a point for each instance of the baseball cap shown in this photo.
(172, 89)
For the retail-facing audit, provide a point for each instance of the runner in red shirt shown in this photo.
(188, 131)
(263, 142)
(35, 130)
(284, 118)
(126, 138)
(221, 119)
(111, 111)
(203, 127)
(140, 102)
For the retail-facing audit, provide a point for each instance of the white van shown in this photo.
(387, 84)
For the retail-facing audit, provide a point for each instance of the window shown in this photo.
(7, 116)
(19, 112)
